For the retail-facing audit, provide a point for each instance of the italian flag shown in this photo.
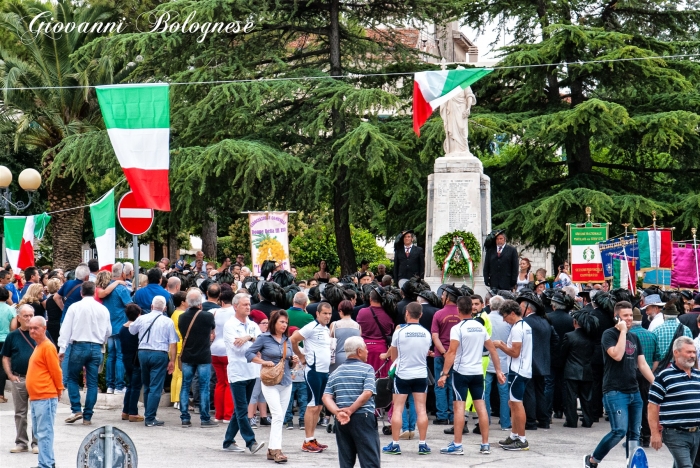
(624, 274)
(433, 88)
(19, 235)
(103, 226)
(137, 118)
(655, 249)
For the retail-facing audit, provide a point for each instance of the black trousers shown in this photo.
(358, 439)
(536, 402)
(583, 391)
(645, 434)
(597, 368)
(558, 396)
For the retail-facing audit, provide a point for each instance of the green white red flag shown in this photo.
(137, 118)
(20, 232)
(655, 249)
(103, 226)
(433, 88)
(624, 273)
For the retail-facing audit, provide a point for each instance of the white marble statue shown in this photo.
(455, 113)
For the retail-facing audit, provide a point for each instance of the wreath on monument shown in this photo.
(457, 264)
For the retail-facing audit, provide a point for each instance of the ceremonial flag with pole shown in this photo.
(624, 273)
(20, 232)
(103, 226)
(433, 88)
(137, 118)
(655, 248)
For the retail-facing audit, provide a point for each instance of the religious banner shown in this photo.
(269, 238)
(625, 245)
(686, 267)
(586, 261)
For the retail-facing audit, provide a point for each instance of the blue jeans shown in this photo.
(203, 371)
(43, 417)
(503, 398)
(408, 419)
(64, 366)
(154, 366)
(241, 391)
(114, 374)
(443, 395)
(298, 392)
(133, 390)
(88, 355)
(625, 413)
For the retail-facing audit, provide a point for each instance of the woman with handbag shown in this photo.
(377, 328)
(273, 351)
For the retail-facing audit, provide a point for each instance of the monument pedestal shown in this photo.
(459, 198)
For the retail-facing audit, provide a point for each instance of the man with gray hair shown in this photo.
(129, 274)
(116, 303)
(349, 395)
(70, 291)
(197, 329)
(674, 405)
(86, 328)
(157, 350)
(298, 317)
(500, 330)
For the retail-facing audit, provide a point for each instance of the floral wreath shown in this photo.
(459, 253)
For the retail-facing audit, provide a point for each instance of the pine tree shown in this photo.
(619, 136)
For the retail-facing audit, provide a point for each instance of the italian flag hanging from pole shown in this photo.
(624, 274)
(433, 88)
(20, 232)
(655, 249)
(137, 118)
(103, 226)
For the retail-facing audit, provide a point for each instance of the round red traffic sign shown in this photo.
(134, 219)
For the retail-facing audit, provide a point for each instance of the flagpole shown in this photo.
(695, 251)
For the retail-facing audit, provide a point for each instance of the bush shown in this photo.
(386, 262)
(142, 263)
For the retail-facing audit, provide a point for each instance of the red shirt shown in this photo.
(443, 321)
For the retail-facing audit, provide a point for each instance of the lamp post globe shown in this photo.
(29, 180)
(5, 177)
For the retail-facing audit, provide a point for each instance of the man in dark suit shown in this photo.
(409, 259)
(690, 319)
(562, 323)
(577, 353)
(501, 265)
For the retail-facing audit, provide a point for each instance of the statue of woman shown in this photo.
(455, 113)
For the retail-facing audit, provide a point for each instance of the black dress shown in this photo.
(53, 313)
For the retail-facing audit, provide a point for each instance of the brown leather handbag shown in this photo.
(272, 376)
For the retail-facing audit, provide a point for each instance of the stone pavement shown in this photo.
(173, 447)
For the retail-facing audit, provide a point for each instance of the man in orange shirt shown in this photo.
(44, 384)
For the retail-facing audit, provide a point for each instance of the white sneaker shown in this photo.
(120, 392)
(110, 391)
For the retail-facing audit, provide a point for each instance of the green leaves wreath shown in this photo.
(444, 245)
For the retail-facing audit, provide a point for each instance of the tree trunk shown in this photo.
(552, 82)
(578, 147)
(67, 226)
(341, 189)
(209, 227)
(158, 249)
(173, 247)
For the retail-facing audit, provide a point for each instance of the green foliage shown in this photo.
(444, 244)
(389, 264)
(142, 263)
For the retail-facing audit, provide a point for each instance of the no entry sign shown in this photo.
(134, 219)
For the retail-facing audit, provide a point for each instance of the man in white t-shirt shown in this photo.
(409, 349)
(519, 351)
(467, 340)
(317, 359)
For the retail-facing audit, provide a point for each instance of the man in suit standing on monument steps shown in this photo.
(501, 264)
(409, 259)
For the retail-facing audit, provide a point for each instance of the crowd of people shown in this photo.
(260, 349)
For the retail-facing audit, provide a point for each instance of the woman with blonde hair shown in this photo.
(35, 298)
(103, 288)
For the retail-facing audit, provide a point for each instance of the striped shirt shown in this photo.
(678, 396)
(348, 382)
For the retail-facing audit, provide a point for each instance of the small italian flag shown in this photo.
(624, 273)
(433, 88)
(19, 235)
(137, 118)
(103, 226)
(655, 248)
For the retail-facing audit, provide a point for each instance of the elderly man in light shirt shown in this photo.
(500, 330)
(239, 334)
(157, 350)
(86, 328)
